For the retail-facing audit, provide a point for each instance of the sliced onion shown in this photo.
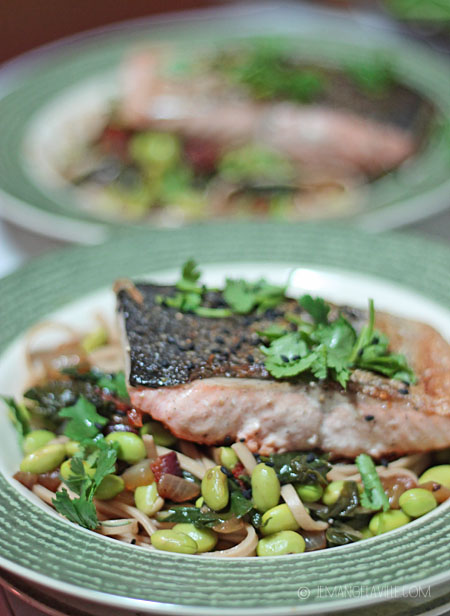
(232, 525)
(128, 526)
(395, 483)
(186, 463)
(440, 492)
(302, 517)
(150, 447)
(177, 489)
(246, 547)
(139, 474)
(26, 479)
(245, 456)
(314, 540)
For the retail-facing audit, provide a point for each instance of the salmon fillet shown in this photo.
(205, 380)
(319, 137)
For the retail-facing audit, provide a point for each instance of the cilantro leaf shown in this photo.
(84, 420)
(78, 510)
(114, 383)
(243, 297)
(374, 497)
(317, 308)
(95, 460)
(19, 416)
(273, 332)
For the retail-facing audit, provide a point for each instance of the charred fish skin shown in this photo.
(168, 347)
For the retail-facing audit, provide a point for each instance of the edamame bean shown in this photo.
(385, 521)
(205, 538)
(145, 498)
(36, 439)
(283, 542)
(276, 519)
(366, 533)
(111, 486)
(417, 502)
(156, 151)
(94, 340)
(44, 460)
(332, 492)
(199, 502)
(160, 434)
(265, 487)
(215, 488)
(131, 446)
(309, 494)
(228, 457)
(71, 448)
(172, 541)
(66, 469)
(438, 474)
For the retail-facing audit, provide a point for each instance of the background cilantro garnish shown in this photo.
(244, 297)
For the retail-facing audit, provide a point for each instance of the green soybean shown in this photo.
(215, 488)
(438, 474)
(71, 448)
(205, 538)
(385, 521)
(145, 498)
(366, 533)
(417, 502)
(283, 542)
(199, 502)
(36, 439)
(265, 487)
(156, 151)
(160, 434)
(228, 457)
(44, 460)
(276, 519)
(66, 469)
(95, 340)
(111, 486)
(172, 541)
(332, 492)
(131, 446)
(309, 493)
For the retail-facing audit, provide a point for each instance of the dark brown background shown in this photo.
(25, 24)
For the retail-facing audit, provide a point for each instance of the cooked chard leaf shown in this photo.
(239, 504)
(84, 420)
(347, 502)
(341, 536)
(300, 467)
(115, 384)
(374, 497)
(19, 416)
(193, 515)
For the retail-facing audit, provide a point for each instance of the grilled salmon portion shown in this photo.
(205, 380)
(319, 137)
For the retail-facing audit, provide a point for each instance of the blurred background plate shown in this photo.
(80, 74)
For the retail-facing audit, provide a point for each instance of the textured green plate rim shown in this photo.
(32, 540)
(416, 190)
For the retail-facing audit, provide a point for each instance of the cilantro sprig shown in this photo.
(241, 297)
(331, 349)
(95, 460)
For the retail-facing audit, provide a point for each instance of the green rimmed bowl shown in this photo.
(80, 77)
(332, 261)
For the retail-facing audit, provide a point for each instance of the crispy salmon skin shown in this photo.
(205, 379)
